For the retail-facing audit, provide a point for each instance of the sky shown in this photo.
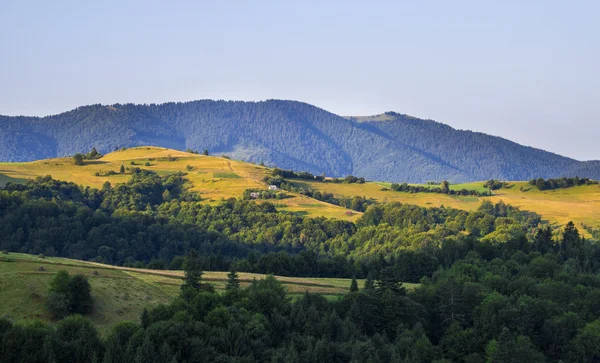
(528, 71)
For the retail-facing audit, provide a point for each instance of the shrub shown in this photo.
(69, 295)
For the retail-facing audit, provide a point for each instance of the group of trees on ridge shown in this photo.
(564, 182)
(443, 188)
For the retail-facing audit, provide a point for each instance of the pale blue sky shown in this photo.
(524, 70)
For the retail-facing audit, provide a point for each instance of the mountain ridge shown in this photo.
(290, 134)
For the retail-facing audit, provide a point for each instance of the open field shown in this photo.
(578, 204)
(215, 178)
(120, 293)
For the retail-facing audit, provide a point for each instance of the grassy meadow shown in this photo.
(215, 178)
(579, 204)
(121, 293)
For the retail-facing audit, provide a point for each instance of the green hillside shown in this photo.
(217, 179)
(120, 293)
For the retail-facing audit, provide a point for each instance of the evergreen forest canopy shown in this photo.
(496, 285)
(294, 135)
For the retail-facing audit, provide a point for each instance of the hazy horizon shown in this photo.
(526, 72)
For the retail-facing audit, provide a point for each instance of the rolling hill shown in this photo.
(119, 293)
(289, 134)
(218, 178)
(215, 178)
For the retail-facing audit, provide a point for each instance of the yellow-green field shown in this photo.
(578, 204)
(215, 178)
(120, 293)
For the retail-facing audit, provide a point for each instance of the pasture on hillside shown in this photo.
(121, 293)
(215, 178)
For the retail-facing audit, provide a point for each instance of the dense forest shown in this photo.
(495, 284)
(532, 301)
(294, 135)
(154, 220)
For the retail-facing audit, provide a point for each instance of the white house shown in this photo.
(272, 187)
(254, 195)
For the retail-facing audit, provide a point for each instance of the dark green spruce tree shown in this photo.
(354, 285)
(233, 281)
(193, 271)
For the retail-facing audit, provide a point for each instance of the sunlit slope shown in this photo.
(215, 178)
(579, 204)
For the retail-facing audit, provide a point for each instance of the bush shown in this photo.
(69, 295)
(4, 252)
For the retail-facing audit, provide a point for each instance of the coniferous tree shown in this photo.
(570, 237)
(354, 285)
(122, 169)
(233, 281)
(145, 318)
(369, 283)
(193, 271)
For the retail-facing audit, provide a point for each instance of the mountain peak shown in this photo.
(390, 146)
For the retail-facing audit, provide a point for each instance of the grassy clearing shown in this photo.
(121, 293)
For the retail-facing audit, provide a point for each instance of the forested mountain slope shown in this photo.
(289, 134)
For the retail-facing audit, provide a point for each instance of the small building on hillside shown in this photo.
(273, 187)
(254, 195)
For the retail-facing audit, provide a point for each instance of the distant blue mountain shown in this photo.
(290, 134)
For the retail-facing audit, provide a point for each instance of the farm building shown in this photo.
(273, 187)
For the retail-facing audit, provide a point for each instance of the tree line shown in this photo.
(564, 182)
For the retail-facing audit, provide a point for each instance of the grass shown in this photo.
(5, 179)
(217, 179)
(121, 293)
(578, 204)
(214, 178)
(226, 175)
